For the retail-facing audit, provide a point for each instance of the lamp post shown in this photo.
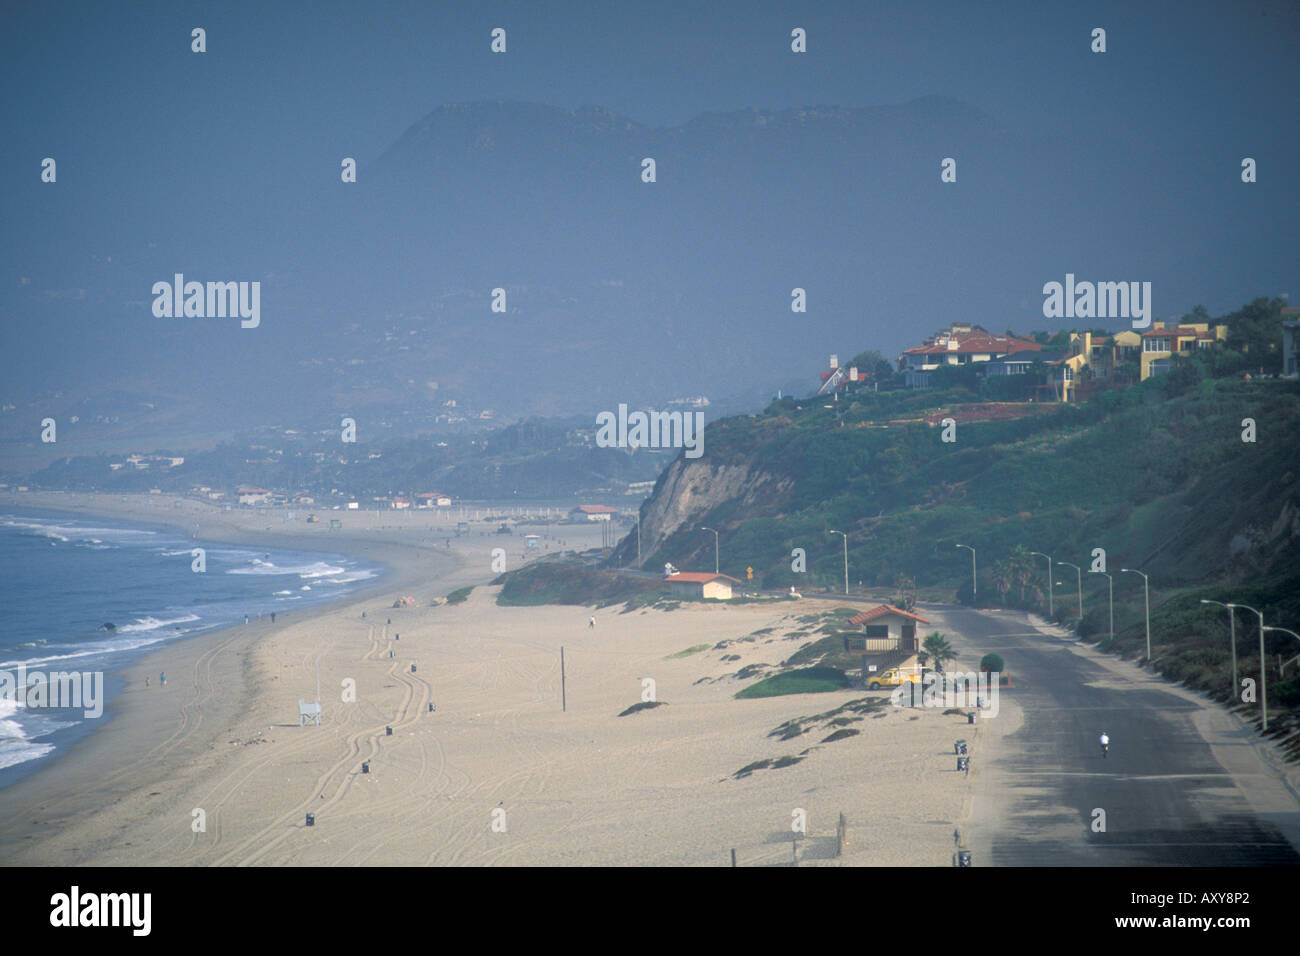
(1284, 631)
(974, 583)
(1232, 639)
(715, 549)
(1110, 583)
(1051, 608)
(1078, 574)
(1146, 592)
(1263, 677)
(846, 559)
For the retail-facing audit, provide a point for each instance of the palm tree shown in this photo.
(1002, 575)
(1022, 564)
(938, 648)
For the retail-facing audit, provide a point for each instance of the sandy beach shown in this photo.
(495, 772)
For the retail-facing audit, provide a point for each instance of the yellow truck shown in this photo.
(893, 677)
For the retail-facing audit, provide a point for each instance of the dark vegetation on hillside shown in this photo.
(1157, 475)
(555, 582)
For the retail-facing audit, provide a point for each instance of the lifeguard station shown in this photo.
(308, 712)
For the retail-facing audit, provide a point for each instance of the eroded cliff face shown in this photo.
(691, 489)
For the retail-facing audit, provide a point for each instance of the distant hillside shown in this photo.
(375, 296)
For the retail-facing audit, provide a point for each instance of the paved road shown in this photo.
(1168, 800)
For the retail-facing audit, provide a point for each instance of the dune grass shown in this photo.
(807, 680)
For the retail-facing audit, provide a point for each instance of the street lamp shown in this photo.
(1078, 574)
(1146, 591)
(974, 584)
(1110, 583)
(1051, 609)
(846, 560)
(1263, 677)
(1284, 631)
(1232, 639)
(715, 549)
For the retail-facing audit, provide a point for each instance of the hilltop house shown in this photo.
(694, 584)
(887, 639)
(838, 377)
(961, 344)
(1161, 344)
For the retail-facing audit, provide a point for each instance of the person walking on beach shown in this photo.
(591, 623)
(272, 617)
(163, 677)
(146, 680)
(245, 618)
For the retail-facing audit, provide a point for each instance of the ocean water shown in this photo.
(63, 578)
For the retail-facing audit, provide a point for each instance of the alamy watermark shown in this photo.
(1098, 300)
(651, 430)
(56, 689)
(212, 300)
(973, 689)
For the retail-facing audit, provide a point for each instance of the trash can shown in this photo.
(431, 707)
(970, 718)
(963, 764)
(963, 857)
(412, 668)
(311, 819)
(388, 731)
(959, 747)
(365, 767)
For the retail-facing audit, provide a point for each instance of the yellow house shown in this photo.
(1161, 344)
(1101, 354)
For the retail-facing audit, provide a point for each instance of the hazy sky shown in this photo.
(153, 140)
(283, 83)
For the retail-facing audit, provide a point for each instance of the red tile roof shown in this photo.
(699, 577)
(974, 342)
(880, 611)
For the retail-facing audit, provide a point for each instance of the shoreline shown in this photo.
(70, 783)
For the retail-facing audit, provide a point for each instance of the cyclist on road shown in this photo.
(1104, 740)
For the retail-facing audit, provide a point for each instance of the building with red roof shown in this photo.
(961, 344)
(701, 585)
(593, 513)
(888, 639)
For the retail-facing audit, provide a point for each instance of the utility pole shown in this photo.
(974, 581)
(846, 560)
(715, 549)
(1146, 591)
(1078, 574)
(1232, 640)
(1263, 675)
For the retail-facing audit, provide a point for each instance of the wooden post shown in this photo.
(733, 856)
(564, 700)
